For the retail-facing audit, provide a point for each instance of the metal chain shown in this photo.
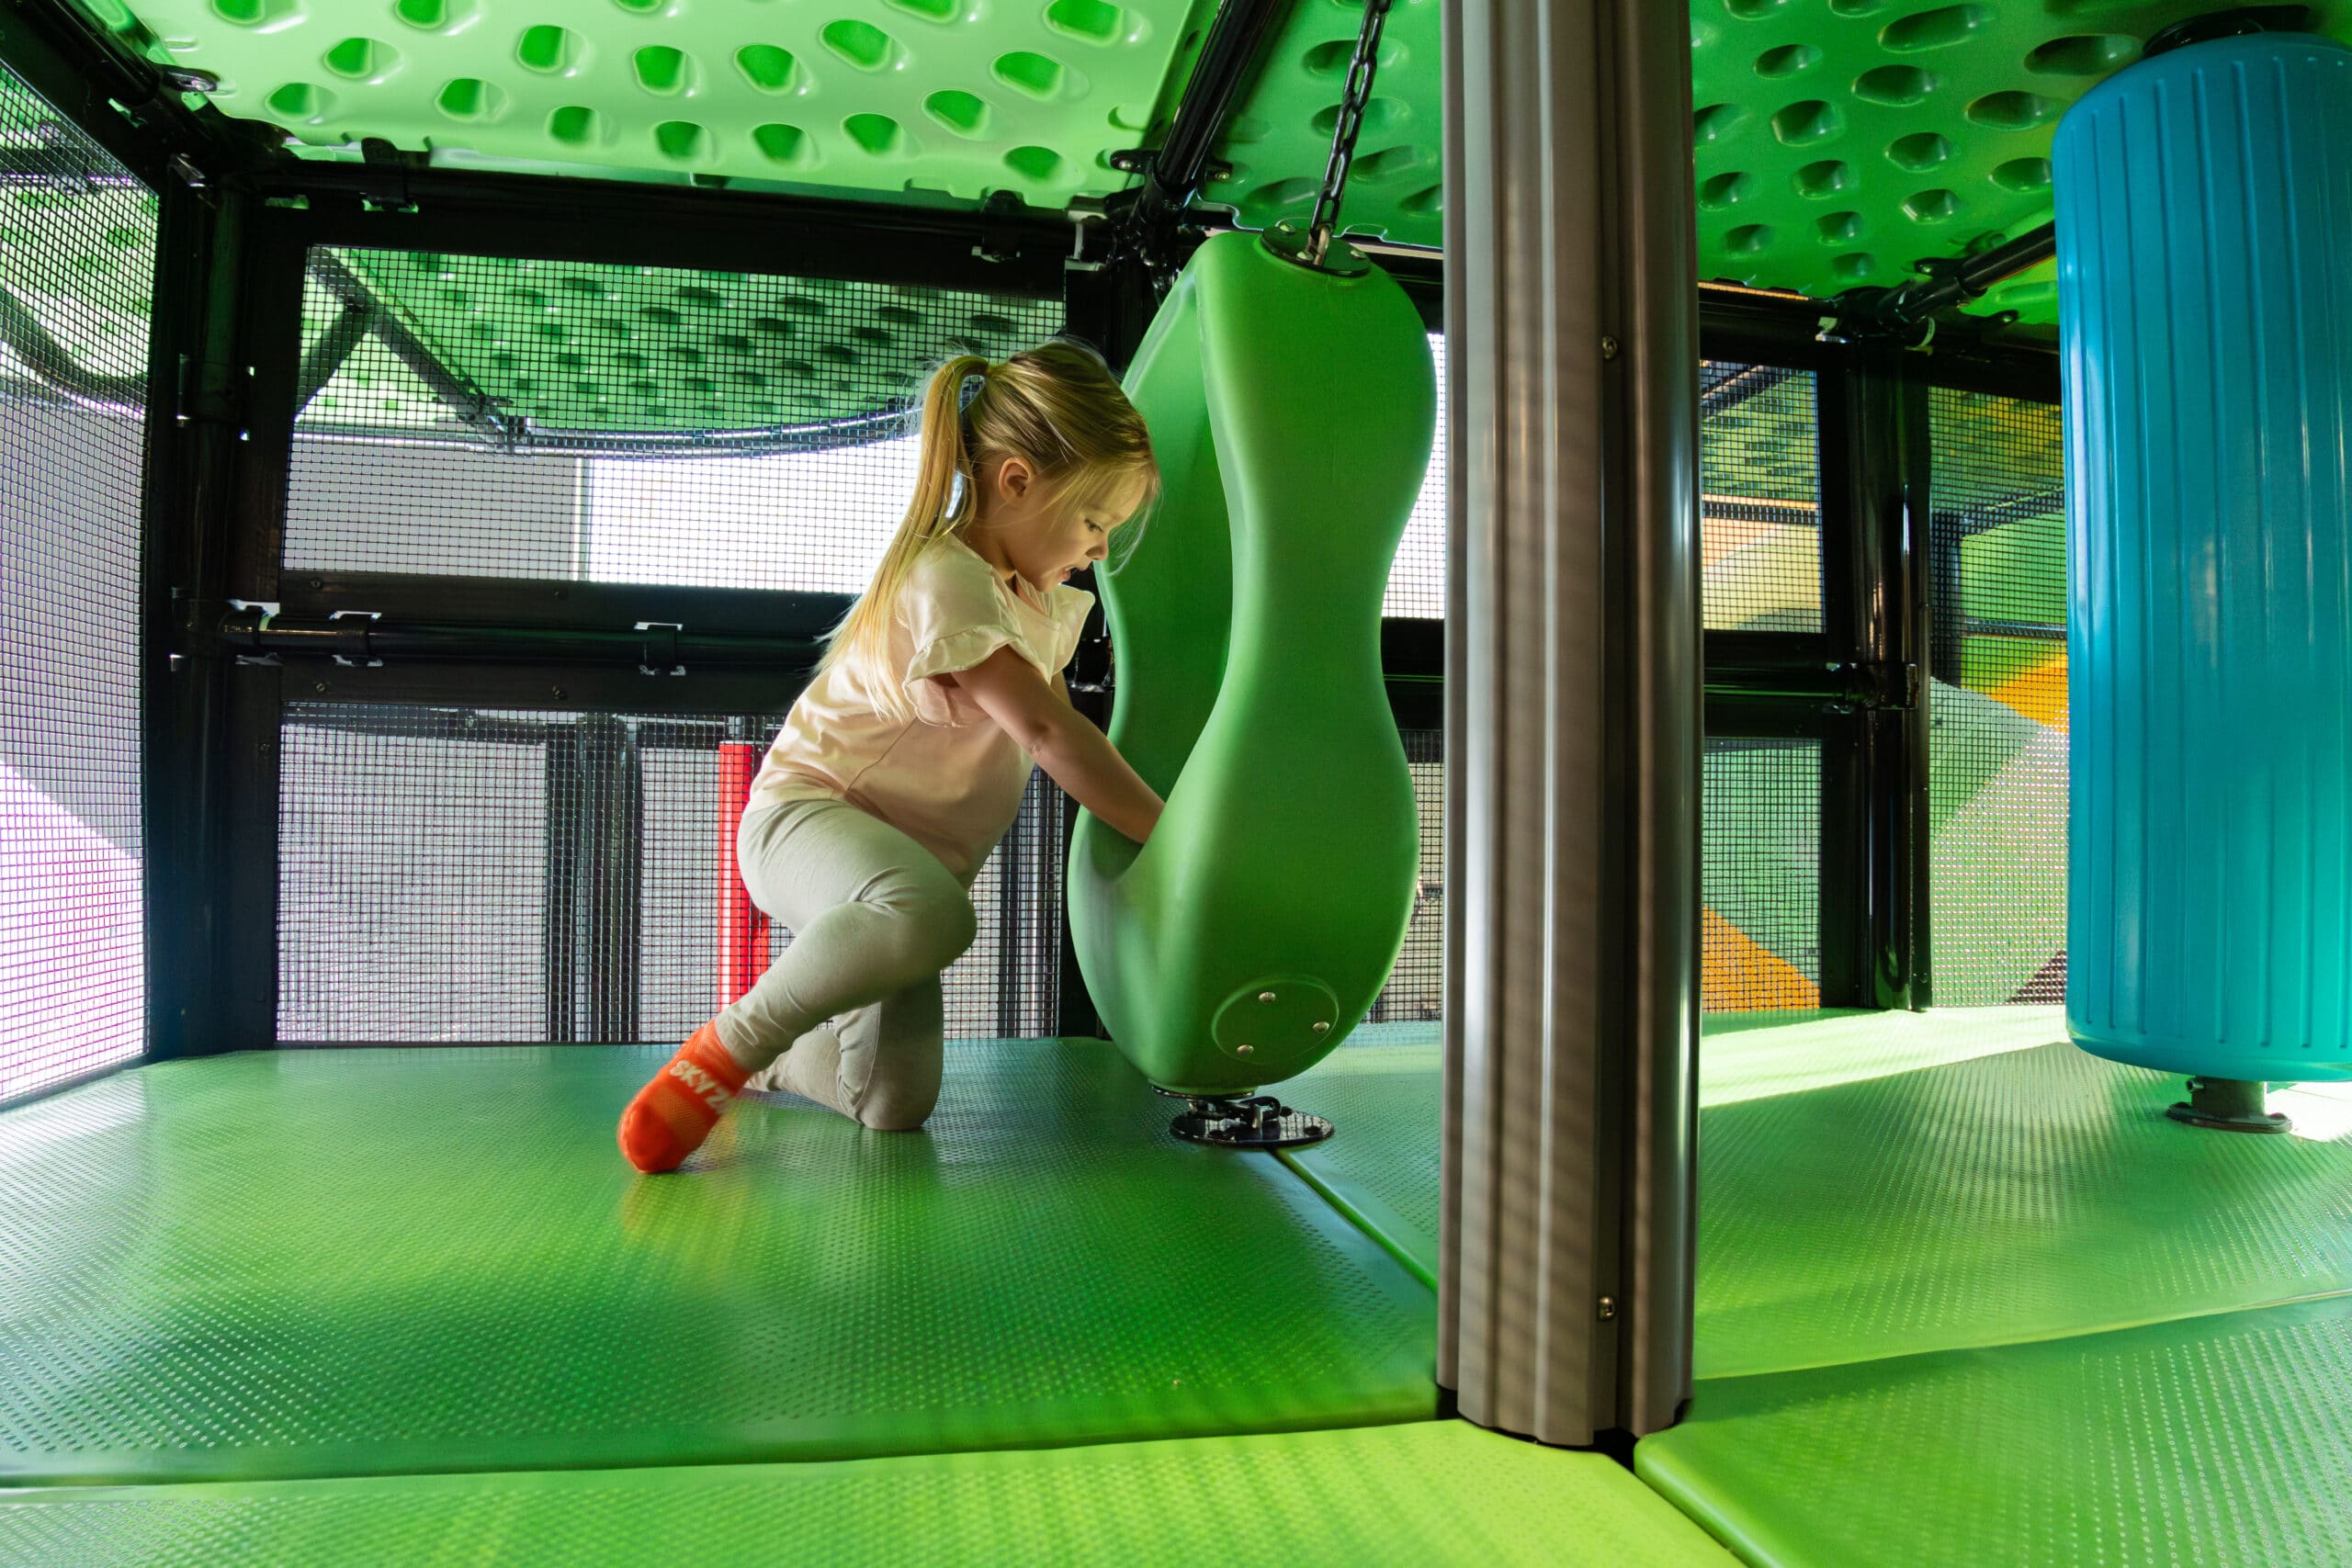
(1361, 68)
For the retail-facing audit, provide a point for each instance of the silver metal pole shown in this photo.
(1573, 685)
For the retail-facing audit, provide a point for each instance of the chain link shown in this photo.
(1360, 69)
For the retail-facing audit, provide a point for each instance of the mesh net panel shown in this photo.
(1760, 508)
(503, 418)
(1416, 989)
(77, 268)
(1760, 838)
(1417, 581)
(465, 875)
(1997, 556)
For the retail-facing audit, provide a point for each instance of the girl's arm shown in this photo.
(1064, 741)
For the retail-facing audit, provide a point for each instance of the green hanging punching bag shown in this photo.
(1291, 409)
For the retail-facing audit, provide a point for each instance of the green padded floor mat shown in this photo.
(2215, 1440)
(1380, 1166)
(1381, 1092)
(2017, 1197)
(1432, 1492)
(350, 1262)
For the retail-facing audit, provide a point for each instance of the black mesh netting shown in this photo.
(78, 257)
(1415, 988)
(1997, 707)
(462, 875)
(489, 417)
(1760, 836)
(1760, 498)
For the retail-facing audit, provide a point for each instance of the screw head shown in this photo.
(1609, 348)
(1265, 996)
(1245, 1050)
(557, 692)
(1322, 1026)
(318, 685)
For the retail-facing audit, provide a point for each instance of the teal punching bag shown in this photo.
(1292, 407)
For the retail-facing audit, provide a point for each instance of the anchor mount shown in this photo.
(1243, 1122)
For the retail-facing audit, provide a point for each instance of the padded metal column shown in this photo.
(1572, 685)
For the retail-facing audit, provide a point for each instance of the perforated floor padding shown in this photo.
(1445, 1493)
(1380, 1165)
(350, 1262)
(2017, 1197)
(2216, 1441)
(1381, 1089)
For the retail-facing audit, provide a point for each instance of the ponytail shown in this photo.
(945, 489)
(1058, 407)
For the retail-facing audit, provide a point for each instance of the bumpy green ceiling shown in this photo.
(1840, 141)
(567, 347)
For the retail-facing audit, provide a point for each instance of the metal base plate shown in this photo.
(1254, 1122)
(2228, 1105)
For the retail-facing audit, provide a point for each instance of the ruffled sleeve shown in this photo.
(1070, 606)
(955, 618)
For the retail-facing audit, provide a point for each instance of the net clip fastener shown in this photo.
(351, 649)
(659, 653)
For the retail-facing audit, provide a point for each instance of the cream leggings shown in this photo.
(849, 1014)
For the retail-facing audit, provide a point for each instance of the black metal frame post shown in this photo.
(1875, 794)
(208, 756)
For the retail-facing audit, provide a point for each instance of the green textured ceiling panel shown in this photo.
(1280, 138)
(961, 96)
(276, 1265)
(1840, 141)
(1428, 1492)
(578, 347)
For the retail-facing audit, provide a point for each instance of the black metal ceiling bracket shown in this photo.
(1174, 174)
(1907, 314)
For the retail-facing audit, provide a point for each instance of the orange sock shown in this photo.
(671, 1116)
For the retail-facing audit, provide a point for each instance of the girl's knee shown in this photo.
(884, 1114)
(933, 929)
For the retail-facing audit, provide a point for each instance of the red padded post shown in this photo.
(742, 927)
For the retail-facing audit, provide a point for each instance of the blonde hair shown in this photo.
(1057, 408)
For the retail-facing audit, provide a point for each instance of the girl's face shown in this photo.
(1045, 532)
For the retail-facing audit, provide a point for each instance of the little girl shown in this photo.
(904, 761)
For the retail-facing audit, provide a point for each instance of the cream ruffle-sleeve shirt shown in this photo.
(949, 778)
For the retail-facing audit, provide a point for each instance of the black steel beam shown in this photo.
(126, 104)
(1179, 167)
(1876, 460)
(910, 240)
(557, 603)
(655, 648)
(189, 777)
(1955, 283)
